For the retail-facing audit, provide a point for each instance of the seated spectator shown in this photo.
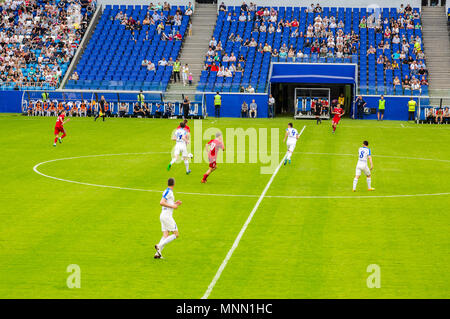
(250, 89)
(137, 110)
(242, 17)
(253, 109)
(241, 89)
(214, 67)
(151, 66)
(227, 73)
(123, 110)
(177, 36)
(222, 7)
(232, 57)
(144, 63)
(406, 83)
(274, 53)
(423, 81)
(225, 58)
(162, 62)
(267, 48)
(396, 81)
(159, 110)
(75, 76)
(244, 110)
(232, 68)
(169, 110)
(430, 115)
(188, 12)
(253, 43)
(415, 84)
(239, 68)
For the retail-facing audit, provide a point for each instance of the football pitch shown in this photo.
(93, 201)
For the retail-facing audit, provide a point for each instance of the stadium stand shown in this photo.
(387, 47)
(38, 40)
(132, 48)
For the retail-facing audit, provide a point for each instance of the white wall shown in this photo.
(328, 3)
(145, 2)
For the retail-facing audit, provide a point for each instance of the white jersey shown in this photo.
(168, 195)
(179, 134)
(292, 135)
(361, 166)
(363, 154)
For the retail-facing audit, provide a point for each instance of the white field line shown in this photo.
(35, 169)
(402, 125)
(243, 229)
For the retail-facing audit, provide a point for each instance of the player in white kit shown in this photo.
(168, 224)
(181, 137)
(364, 155)
(291, 136)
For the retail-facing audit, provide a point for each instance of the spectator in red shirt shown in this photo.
(214, 67)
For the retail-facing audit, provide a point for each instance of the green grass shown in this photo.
(293, 247)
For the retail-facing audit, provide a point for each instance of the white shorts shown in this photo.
(291, 146)
(181, 148)
(167, 223)
(362, 168)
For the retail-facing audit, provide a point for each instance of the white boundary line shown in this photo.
(243, 229)
(35, 169)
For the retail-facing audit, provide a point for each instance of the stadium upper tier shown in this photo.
(124, 38)
(387, 47)
(38, 40)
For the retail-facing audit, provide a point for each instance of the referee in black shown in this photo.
(101, 110)
(186, 105)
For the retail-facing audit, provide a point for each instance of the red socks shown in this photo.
(205, 177)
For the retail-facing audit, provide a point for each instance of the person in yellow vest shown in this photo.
(217, 104)
(411, 109)
(44, 97)
(176, 71)
(381, 107)
(141, 98)
(341, 100)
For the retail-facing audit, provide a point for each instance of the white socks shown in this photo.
(173, 160)
(355, 182)
(186, 163)
(165, 240)
(369, 182)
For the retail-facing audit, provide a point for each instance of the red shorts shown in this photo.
(336, 119)
(212, 164)
(59, 129)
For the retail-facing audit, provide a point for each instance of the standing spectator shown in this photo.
(360, 104)
(341, 100)
(253, 108)
(185, 72)
(271, 104)
(217, 104)
(190, 78)
(141, 98)
(176, 71)
(244, 110)
(411, 109)
(186, 104)
(381, 107)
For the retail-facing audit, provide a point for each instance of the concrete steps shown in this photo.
(436, 45)
(195, 46)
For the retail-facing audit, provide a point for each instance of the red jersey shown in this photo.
(214, 146)
(338, 112)
(60, 121)
(186, 128)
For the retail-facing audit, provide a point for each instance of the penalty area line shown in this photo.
(243, 229)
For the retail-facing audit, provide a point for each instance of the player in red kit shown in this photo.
(212, 148)
(186, 127)
(338, 111)
(59, 128)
